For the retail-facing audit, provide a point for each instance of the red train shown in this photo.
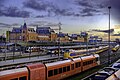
(56, 70)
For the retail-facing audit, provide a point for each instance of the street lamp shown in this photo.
(59, 24)
(109, 7)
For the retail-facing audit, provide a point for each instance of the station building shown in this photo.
(46, 34)
(77, 38)
(26, 34)
(64, 37)
(95, 39)
(21, 34)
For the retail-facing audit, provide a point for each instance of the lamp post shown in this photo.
(59, 41)
(109, 7)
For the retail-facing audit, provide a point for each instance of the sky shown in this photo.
(74, 15)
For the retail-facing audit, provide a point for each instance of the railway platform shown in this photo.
(28, 60)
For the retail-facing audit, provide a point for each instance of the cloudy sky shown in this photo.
(75, 15)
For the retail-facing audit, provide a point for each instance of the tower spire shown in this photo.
(24, 26)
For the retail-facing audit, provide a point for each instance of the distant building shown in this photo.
(95, 39)
(77, 37)
(63, 37)
(2, 39)
(21, 34)
(46, 34)
(84, 35)
(25, 34)
(32, 35)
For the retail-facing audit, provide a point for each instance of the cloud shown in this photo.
(115, 9)
(83, 3)
(36, 5)
(14, 12)
(87, 14)
(46, 6)
(105, 31)
(4, 25)
(116, 34)
(1, 2)
(117, 27)
(88, 10)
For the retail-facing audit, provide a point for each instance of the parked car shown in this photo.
(100, 76)
(116, 65)
(110, 70)
(103, 73)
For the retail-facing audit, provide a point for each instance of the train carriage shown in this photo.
(90, 61)
(14, 74)
(37, 71)
(77, 65)
(59, 70)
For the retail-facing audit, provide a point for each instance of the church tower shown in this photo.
(24, 32)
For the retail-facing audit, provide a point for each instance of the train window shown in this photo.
(72, 66)
(91, 61)
(64, 69)
(50, 73)
(97, 59)
(15, 79)
(55, 71)
(79, 64)
(60, 70)
(87, 62)
(23, 78)
(76, 65)
(84, 63)
(68, 68)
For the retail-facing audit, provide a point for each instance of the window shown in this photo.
(91, 61)
(60, 70)
(77, 64)
(68, 68)
(97, 59)
(15, 79)
(23, 31)
(64, 69)
(50, 73)
(23, 78)
(84, 63)
(55, 71)
(72, 66)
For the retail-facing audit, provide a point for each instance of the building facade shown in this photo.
(21, 34)
(26, 34)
